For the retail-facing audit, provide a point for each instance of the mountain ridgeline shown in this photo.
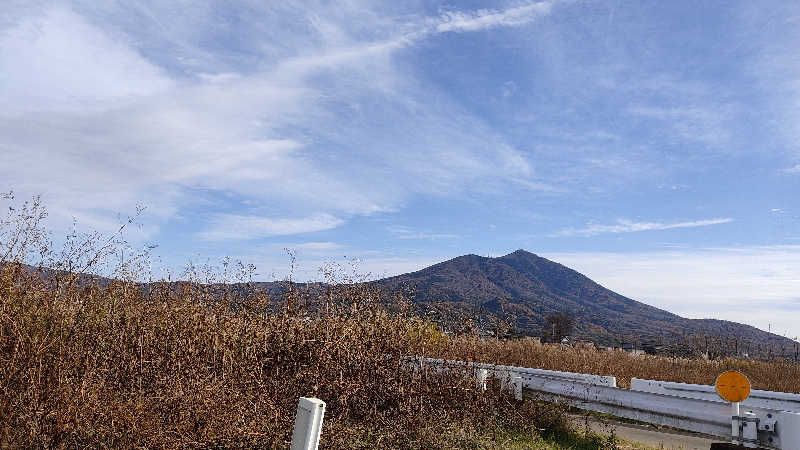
(522, 289)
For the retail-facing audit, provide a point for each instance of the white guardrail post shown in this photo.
(307, 424)
(789, 423)
(516, 384)
(481, 376)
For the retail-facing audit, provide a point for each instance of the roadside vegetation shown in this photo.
(110, 361)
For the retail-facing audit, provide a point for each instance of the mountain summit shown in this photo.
(524, 289)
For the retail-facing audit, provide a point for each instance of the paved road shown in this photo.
(660, 438)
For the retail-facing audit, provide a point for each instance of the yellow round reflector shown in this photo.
(733, 386)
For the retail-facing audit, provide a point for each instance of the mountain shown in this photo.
(523, 289)
(520, 291)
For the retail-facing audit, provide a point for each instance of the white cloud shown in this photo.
(106, 109)
(774, 36)
(226, 227)
(487, 18)
(318, 246)
(402, 232)
(57, 60)
(626, 226)
(692, 121)
(429, 236)
(794, 169)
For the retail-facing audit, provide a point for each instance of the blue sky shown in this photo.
(652, 146)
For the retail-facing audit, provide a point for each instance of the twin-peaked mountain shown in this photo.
(523, 289)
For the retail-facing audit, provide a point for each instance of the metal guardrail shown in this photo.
(758, 398)
(764, 425)
(599, 380)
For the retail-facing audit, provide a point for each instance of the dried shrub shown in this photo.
(89, 361)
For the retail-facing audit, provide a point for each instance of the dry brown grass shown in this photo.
(111, 367)
(85, 362)
(783, 376)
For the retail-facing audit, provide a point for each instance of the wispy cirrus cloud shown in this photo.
(693, 122)
(156, 115)
(407, 233)
(318, 246)
(793, 169)
(776, 69)
(489, 18)
(227, 227)
(429, 236)
(627, 226)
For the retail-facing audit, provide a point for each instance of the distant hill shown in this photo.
(522, 289)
